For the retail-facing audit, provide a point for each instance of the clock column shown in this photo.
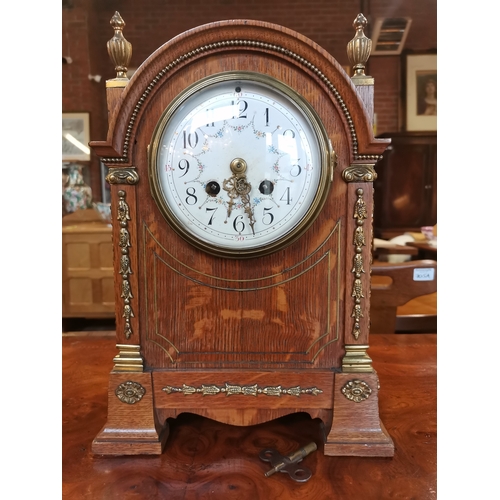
(356, 387)
(132, 426)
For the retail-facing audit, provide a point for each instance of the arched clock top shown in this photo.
(244, 36)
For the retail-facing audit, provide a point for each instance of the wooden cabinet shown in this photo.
(87, 258)
(406, 186)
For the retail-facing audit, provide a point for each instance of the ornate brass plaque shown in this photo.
(130, 392)
(245, 390)
(356, 390)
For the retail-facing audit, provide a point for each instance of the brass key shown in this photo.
(289, 463)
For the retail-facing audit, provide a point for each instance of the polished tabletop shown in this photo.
(204, 459)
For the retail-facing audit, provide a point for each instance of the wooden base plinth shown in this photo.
(132, 427)
(139, 405)
(356, 427)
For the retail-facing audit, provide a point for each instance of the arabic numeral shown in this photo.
(238, 224)
(191, 198)
(268, 217)
(183, 166)
(213, 214)
(242, 107)
(190, 139)
(286, 196)
(245, 106)
(295, 170)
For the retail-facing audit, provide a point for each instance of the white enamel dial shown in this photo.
(238, 164)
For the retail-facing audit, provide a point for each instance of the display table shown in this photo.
(87, 260)
(205, 459)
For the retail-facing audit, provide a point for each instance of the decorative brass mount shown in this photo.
(359, 173)
(358, 52)
(130, 392)
(123, 175)
(245, 390)
(125, 269)
(360, 214)
(120, 52)
(356, 360)
(129, 359)
(356, 390)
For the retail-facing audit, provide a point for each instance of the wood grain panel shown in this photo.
(227, 321)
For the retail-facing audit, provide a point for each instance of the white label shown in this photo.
(423, 274)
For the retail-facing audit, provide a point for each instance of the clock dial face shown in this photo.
(239, 164)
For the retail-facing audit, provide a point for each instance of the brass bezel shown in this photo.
(326, 154)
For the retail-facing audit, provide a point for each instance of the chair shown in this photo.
(393, 285)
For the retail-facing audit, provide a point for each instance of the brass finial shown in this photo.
(359, 48)
(119, 49)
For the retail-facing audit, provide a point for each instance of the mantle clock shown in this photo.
(241, 162)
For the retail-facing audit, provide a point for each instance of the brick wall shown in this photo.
(150, 23)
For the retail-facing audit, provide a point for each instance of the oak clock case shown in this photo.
(240, 159)
(240, 164)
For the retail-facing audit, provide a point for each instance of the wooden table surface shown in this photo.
(204, 459)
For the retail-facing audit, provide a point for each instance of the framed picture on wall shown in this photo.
(420, 98)
(75, 137)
